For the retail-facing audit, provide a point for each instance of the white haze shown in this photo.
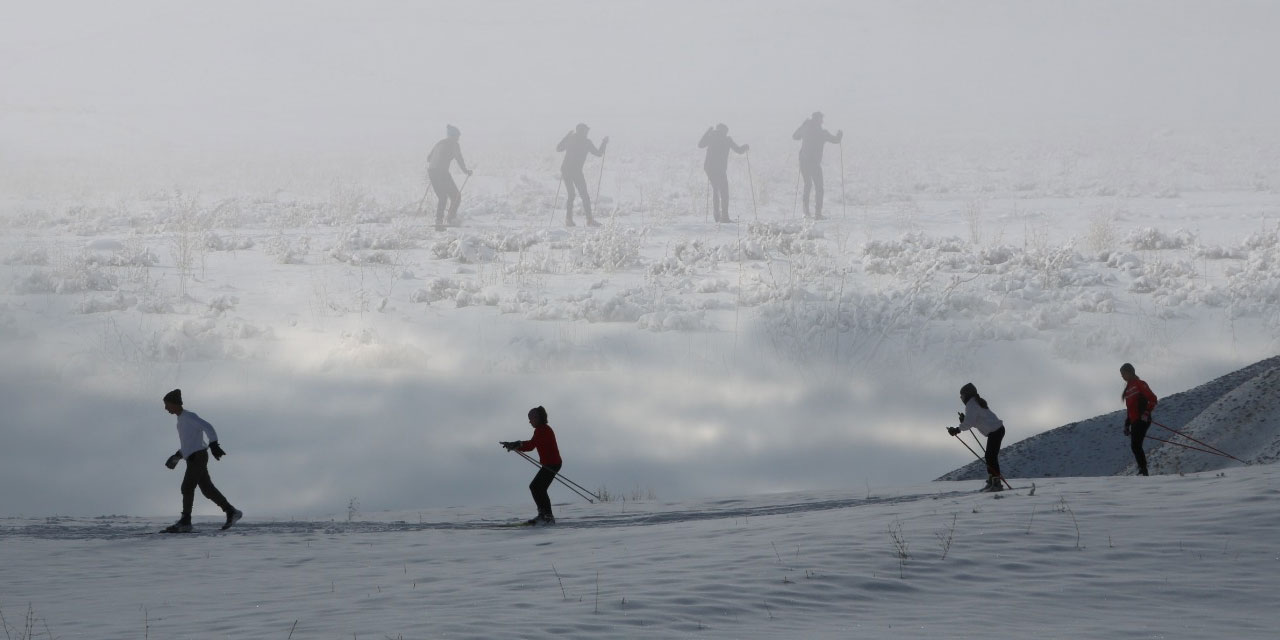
(1145, 114)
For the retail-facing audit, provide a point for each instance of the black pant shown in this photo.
(446, 193)
(574, 182)
(993, 451)
(539, 487)
(812, 174)
(1138, 433)
(198, 476)
(719, 194)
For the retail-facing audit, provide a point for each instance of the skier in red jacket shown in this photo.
(544, 440)
(1139, 401)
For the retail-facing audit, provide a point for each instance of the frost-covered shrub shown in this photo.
(674, 320)
(222, 304)
(610, 249)
(1151, 239)
(117, 302)
(289, 250)
(76, 279)
(35, 257)
(214, 242)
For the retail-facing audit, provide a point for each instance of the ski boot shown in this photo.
(183, 525)
(233, 516)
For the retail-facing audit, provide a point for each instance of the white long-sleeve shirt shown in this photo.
(984, 420)
(191, 431)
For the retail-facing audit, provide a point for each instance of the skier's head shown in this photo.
(816, 117)
(537, 416)
(968, 392)
(722, 128)
(582, 128)
(452, 131)
(173, 401)
(1127, 372)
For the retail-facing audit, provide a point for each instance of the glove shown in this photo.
(961, 414)
(509, 446)
(216, 450)
(172, 462)
(469, 172)
(955, 431)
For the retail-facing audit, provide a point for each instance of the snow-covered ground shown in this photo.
(1168, 556)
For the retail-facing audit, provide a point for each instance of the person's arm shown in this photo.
(598, 152)
(462, 163)
(738, 148)
(834, 138)
(706, 137)
(564, 142)
(800, 131)
(1149, 399)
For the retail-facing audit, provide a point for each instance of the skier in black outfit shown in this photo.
(192, 430)
(977, 415)
(544, 441)
(438, 162)
(576, 145)
(718, 144)
(812, 139)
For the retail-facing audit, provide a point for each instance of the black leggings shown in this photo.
(812, 174)
(576, 183)
(993, 451)
(447, 192)
(539, 487)
(719, 194)
(1138, 433)
(198, 476)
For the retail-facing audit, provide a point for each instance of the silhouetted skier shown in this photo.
(812, 139)
(1139, 401)
(576, 145)
(192, 431)
(718, 143)
(544, 440)
(438, 162)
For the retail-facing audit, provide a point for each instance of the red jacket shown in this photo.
(1139, 400)
(544, 440)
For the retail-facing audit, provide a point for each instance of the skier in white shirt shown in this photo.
(977, 415)
(192, 431)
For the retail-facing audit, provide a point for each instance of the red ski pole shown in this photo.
(1215, 449)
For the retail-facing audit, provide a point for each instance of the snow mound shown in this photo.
(1244, 423)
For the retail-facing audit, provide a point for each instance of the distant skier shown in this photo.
(544, 440)
(1139, 401)
(192, 430)
(718, 144)
(812, 139)
(576, 145)
(978, 416)
(438, 162)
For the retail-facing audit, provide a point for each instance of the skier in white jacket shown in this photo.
(192, 430)
(977, 415)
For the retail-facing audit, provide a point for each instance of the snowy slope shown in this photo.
(1168, 557)
(1236, 412)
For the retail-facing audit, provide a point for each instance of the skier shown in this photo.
(1139, 401)
(438, 162)
(718, 143)
(576, 145)
(192, 430)
(978, 415)
(812, 139)
(544, 440)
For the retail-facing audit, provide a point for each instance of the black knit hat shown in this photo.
(538, 415)
(968, 391)
(173, 397)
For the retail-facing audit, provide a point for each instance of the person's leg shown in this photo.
(581, 181)
(993, 455)
(570, 190)
(808, 186)
(817, 188)
(211, 492)
(720, 184)
(539, 486)
(454, 197)
(197, 465)
(442, 193)
(1138, 433)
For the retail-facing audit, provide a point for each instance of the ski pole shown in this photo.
(752, 181)
(464, 183)
(424, 198)
(983, 460)
(1219, 451)
(555, 204)
(843, 210)
(1185, 446)
(573, 486)
(599, 177)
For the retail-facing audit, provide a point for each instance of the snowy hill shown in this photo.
(1238, 413)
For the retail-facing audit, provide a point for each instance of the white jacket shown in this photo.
(191, 431)
(984, 420)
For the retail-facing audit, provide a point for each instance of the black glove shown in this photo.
(955, 431)
(961, 414)
(216, 449)
(172, 462)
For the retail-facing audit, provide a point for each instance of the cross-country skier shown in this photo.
(438, 162)
(576, 145)
(544, 440)
(1139, 401)
(192, 430)
(978, 416)
(812, 139)
(718, 144)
